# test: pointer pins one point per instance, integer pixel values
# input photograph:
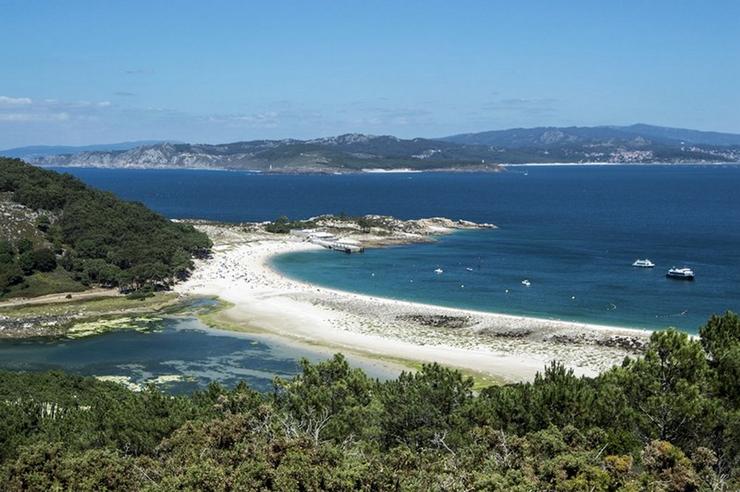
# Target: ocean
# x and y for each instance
(572, 231)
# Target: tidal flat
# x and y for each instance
(161, 342)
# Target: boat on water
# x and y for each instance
(684, 273)
(438, 271)
(643, 263)
(526, 283)
(469, 269)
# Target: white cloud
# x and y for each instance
(531, 106)
(21, 110)
(263, 117)
(33, 117)
(14, 101)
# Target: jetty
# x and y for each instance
(330, 241)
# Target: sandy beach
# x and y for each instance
(508, 348)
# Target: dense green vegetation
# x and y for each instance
(89, 237)
(669, 421)
(283, 224)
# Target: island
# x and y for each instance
(486, 151)
(550, 405)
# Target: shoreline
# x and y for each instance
(495, 168)
(506, 347)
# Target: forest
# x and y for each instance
(84, 237)
(667, 421)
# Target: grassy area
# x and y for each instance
(94, 307)
(214, 317)
(40, 284)
(481, 380)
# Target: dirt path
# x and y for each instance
(60, 297)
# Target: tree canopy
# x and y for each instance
(94, 236)
(668, 421)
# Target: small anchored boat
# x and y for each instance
(684, 273)
(526, 283)
(643, 263)
(438, 271)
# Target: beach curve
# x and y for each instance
(506, 347)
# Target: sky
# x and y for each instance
(85, 72)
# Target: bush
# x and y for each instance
(38, 260)
(10, 275)
(333, 428)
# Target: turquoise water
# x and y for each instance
(572, 231)
(598, 288)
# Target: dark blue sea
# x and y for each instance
(573, 232)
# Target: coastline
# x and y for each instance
(493, 168)
(505, 347)
(615, 164)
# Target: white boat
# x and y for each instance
(469, 269)
(684, 273)
(643, 263)
(526, 283)
(438, 271)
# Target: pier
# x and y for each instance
(330, 241)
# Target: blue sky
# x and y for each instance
(82, 72)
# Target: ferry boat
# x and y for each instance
(680, 273)
(643, 263)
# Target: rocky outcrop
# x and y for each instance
(385, 225)
(18, 221)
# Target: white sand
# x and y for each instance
(511, 348)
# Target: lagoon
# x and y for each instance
(178, 354)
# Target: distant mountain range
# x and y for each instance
(34, 151)
(354, 152)
(633, 135)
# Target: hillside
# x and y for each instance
(57, 235)
(638, 135)
(36, 151)
(627, 144)
(665, 422)
(351, 152)
(472, 151)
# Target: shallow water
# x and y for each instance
(180, 347)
